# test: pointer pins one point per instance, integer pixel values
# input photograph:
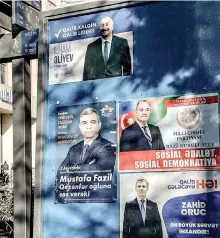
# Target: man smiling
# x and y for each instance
(141, 135)
(141, 215)
(108, 56)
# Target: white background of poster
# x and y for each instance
(158, 191)
(73, 71)
(208, 122)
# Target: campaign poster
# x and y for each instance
(86, 153)
(78, 50)
(169, 133)
(177, 204)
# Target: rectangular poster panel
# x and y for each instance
(86, 153)
(170, 133)
(78, 52)
(170, 204)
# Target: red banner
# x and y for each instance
(179, 159)
(191, 101)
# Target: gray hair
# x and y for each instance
(88, 111)
(142, 180)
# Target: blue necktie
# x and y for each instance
(106, 51)
(143, 213)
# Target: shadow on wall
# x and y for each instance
(176, 52)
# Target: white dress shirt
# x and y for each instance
(147, 129)
(140, 203)
(90, 141)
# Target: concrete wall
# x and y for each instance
(7, 139)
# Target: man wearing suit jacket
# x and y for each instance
(141, 215)
(94, 152)
(108, 56)
(141, 135)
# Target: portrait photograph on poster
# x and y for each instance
(86, 153)
(170, 204)
(91, 47)
(169, 133)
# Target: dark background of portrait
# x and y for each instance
(107, 130)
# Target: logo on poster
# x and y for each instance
(106, 111)
(58, 33)
(188, 117)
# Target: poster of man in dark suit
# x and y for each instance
(87, 172)
(141, 135)
(108, 56)
(141, 215)
(94, 152)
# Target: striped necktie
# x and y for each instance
(147, 135)
(85, 148)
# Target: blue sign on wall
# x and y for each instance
(24, 15)
(24, 43)
(35, 3)
(29, 39)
